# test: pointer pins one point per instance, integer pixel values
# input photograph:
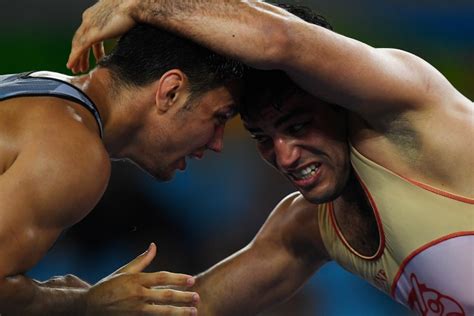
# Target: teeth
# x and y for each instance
(305, 173)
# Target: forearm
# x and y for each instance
(246, 30)
(20, 295)
(267, 37)
(228, 288)
(249, 282)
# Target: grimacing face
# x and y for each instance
(188, 133)
(306, 141)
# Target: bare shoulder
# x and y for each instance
(429, 128)
(58, 173)
(294, 223)
(63, 162)
(293, 209)
(429, 89)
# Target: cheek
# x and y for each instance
(200, 135)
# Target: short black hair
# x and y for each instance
(306, 13)
(145, 53)
(273, 87)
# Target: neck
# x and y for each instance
(115, 107)
(357, 219)
(353, 196)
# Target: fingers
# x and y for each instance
(84, 61)
(172, 297)
(81, 43)
(78, 48)
(139, 263)
(104, 20)
(80, 64)
(168, 310)
(99, 51)
(166, 278)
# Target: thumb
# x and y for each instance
(139, 263)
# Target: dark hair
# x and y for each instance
(145, 53)
(272, 87)
(305, 13)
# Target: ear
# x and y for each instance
(171, 90)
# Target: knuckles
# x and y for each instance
(167, 295)
(161, 277)
(70, 278)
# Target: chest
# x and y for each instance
(357, 224)
(425, 260)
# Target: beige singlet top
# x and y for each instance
(426, 255)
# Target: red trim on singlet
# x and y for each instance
(381, 248)
(421, 185)
(401, 269)
(438, 191)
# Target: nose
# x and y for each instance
(216, 143)
(286, 153)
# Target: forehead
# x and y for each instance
(296, 106)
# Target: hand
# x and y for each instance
(105, 20)
(129, 291)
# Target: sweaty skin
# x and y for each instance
(395, 92)
(404, 115)
(54, 168)
(42, 168)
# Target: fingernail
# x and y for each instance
(149, 248)
(190, 281)
(195, 297)
(147, 251)
(193, 311)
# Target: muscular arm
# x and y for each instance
(332, 67)
(55, 171)
(283, 255)
(50, 186)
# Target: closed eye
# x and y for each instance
(260, 138)
(223, 117)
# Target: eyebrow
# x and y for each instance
(280, 121)
(288, 116)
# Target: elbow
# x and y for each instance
(277, 48)
(268, 34)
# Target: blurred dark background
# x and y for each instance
(219, 203)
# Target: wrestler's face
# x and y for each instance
(188, 131)
(305, 140)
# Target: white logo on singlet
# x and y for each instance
(440, 279)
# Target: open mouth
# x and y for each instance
(306, 172)
(306, 176)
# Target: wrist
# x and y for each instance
(60, 301)
(80, 302)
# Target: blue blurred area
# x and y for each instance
(219, 203)
(342, 293)
(212, 193)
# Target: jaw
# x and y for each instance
(327, 185)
